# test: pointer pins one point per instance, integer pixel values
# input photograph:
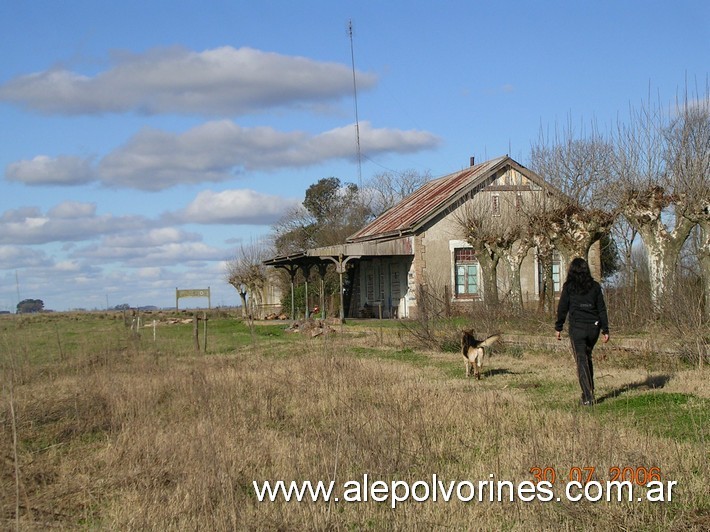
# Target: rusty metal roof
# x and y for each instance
(384, 235)
(428, 201)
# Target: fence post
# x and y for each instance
(196, 332)
(204, 331)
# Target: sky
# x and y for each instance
(142, 143)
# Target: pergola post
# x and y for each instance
(340, 267)
(292, 273)
(306, 268)
(305, 262)
(292, 269)
(322, 270)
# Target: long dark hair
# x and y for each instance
(579, 278)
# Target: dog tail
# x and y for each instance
(490, 340)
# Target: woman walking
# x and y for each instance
(583, 300)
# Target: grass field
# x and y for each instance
(105, 429)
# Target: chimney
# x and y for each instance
(473, 160)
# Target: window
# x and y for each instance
(555, 272)
(396, 290)
(466, 267)
(495, 204)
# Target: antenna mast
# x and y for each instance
(357, 120)
(17, 284)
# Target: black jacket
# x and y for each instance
(584, 309)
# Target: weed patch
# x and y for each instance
(116, 431)
(682, 417)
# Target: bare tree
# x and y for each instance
(539, 212)
(522, 221)
(483, 233)
(630, 277)
(652, 194)
(688, 159)
(386, 189)
(704, 258)
(574, 229)
(579, 166)
(247, 273)
(625, 236)
(514, 240)
(294, 232)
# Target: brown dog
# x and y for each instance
(474, 351)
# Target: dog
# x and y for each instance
(474, 351)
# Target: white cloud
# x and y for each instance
(72, 210)
(149, 273)
(150, 238)
(149, 248)
(69, 266)
(234, 207)
(221, 81)
(14, 257)
(68, 221)
(216, 151)
(180, 253)
(384, 140)
(213, 152)
(44, 170)
(168, 255)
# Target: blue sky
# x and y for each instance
(142, 142)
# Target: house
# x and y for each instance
(420, 243)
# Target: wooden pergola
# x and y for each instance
(305, 261)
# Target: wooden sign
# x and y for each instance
(192, 292)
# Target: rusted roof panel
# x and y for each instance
(426, 202)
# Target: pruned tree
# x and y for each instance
(579, 167)
(539, 214)
(688, 159)
(247, 274)
(506, 232)
(573, 229)
(513, 241)
(704, 256)
(655, 191)
(647, 210)
(483, 232)
(625, 235)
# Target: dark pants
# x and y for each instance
(583, 338)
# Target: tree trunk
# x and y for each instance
(489, 263)
(546, 292)
(513, 257)
(663, 249)
(578, 231)
(243, 297)
(704, 253)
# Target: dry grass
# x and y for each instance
(114, 434)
